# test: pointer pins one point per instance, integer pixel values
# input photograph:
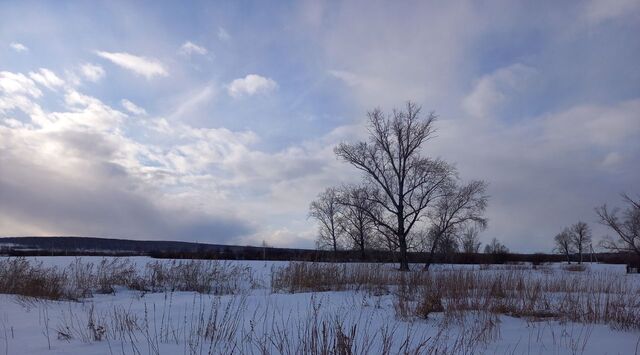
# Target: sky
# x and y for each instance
(216, 121)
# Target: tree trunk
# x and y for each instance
(430, 257)
(404, 258)
(580, 252)
(402, 241)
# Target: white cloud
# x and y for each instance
(597, 11)
(594, 125)
(47, 78)
(18, 84)
(147, 67)
(18, 47)
(492, 90)
(133, 108)
(250, 85)
(194, 99)
(189, 48)
(223, 34)
(92, 72)
(612, 160)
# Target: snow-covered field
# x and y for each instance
(258, 318)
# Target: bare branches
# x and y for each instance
(458, 207)
(326, 210)
(401, 186)
(576, 238)
(400, 183)
(357, 212)
(580, 237)
(564, 244)
(625, 223)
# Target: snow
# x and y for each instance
(29, 326)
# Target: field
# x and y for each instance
(139, 305)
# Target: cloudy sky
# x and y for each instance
(215, 121)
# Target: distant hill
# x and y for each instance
(104, 245)
(79, 246)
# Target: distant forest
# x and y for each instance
(89, 246)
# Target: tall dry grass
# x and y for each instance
(82, 279)
(587, 297)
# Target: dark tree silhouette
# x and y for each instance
(495, 248)
(625, 223)
(564, 244)
(469, 241)
(458, 206)
(580, 238)
(356, 212)
(401, 182)
(326, 210)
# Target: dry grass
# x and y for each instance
(80, 279)
(462, 306)
(19, 276)
(212, 325)
(588, 297)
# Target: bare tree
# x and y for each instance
(495, 247)
(580, 238)
(459, 206)
(469, 241)
(357, 210)
(402, 183)
(326, 210)
(625, 223)
(564, 244)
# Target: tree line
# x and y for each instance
(624, 222)
(409, 201)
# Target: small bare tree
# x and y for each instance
(580, 238)
(496, 248)
(326, 210)
(469, 241)
(564, 244)
(402, 183)
(458, 207)
(625, 223)
(357, 210)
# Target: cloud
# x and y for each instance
(492, 90)
(18, 84)
(105, 183)
(597, 11)
(194, 99)
(47, 78)
(18, 47)
(147, 67)
(612, 160)
(133, 108)
(594, 126)
(251, 84)
(223, 34)
(189, 48)
(92, 72)
(157, 178)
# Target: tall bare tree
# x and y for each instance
(402, 183)
(459, 206)
(564, 244)
(326, 210)
(357, 209)
(469, 241)
(625, 223)
(581, 238)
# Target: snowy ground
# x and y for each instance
(259, 321)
